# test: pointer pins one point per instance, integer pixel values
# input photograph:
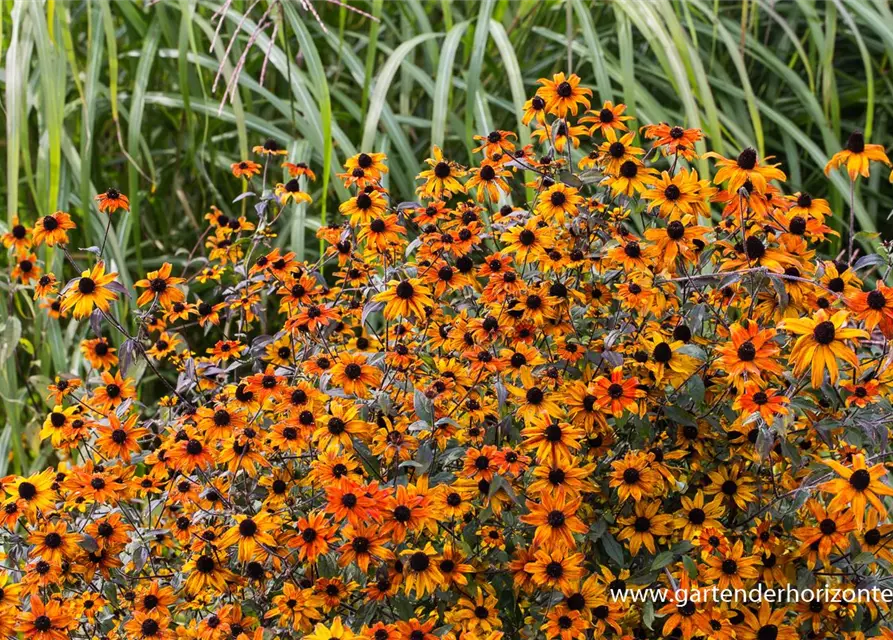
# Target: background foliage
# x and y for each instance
(157, 99)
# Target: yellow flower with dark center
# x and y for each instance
(382, 235)
(495, 143)
(371, 164)
(615, 151)
(632, 177)
(644, 525)
(421, 570)
(732, 485)
(295, 607)
(562, 480)
(489, 180)
(120, 439)
(685, 610)
(245, 169)
(299, 170)
(99, 353)
(731, 569)
(32, 493)
(674, 141)
(829, 533)
(51, 229)
(534, 109)
(342, 423)
(270, 148)
(479, 615)
(26, 269)
(609, 118)
(563, 94)
(676, 195)
(315, 533)
(555, 570)
(823, 339)
(44, 621)
(148, 626)
(666, 361)
(874, 308)
(352, 374)
(364, 207)
(767, 402)
(113, 391)
(55, 424)
(91, 290)
(527, 242)
(205, 572)
(857, 156)
(18, 237)
(536, 405)
(405, 299)
(806, 206)
(558, 203)
(111, 200)
(362, 545)
(751, 353)
(614, 395)
(857, 487)
(633, 477)
(745, 168)
(696, 514)
(556, 136)
(555, 522)
(291, 191)
(442, 179)
(160, 286)
(53, 542)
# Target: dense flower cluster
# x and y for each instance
(576, 368)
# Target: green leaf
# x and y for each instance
(443, 85)
(383, 83)
(612, 548)
(661, 560)
(690, 567)
(473, 79)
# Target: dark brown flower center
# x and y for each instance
(856, 142)
(629, 169)
(824, 332)
(860, 479)
(86, 286)
(747, 159)
(405, 290)
(442, 170)
(675, 230)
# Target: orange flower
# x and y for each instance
(160, 286)
(49, 621)
(615, 395)
(245, 169)
(91, 290)
(823, 339)
(51, 229)
(555, 522)
(352, 374)
(609, 118)
(563, 94)
(751, 353)
(857, 156)
(745, 168)
(857, 487)
(112, 200)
